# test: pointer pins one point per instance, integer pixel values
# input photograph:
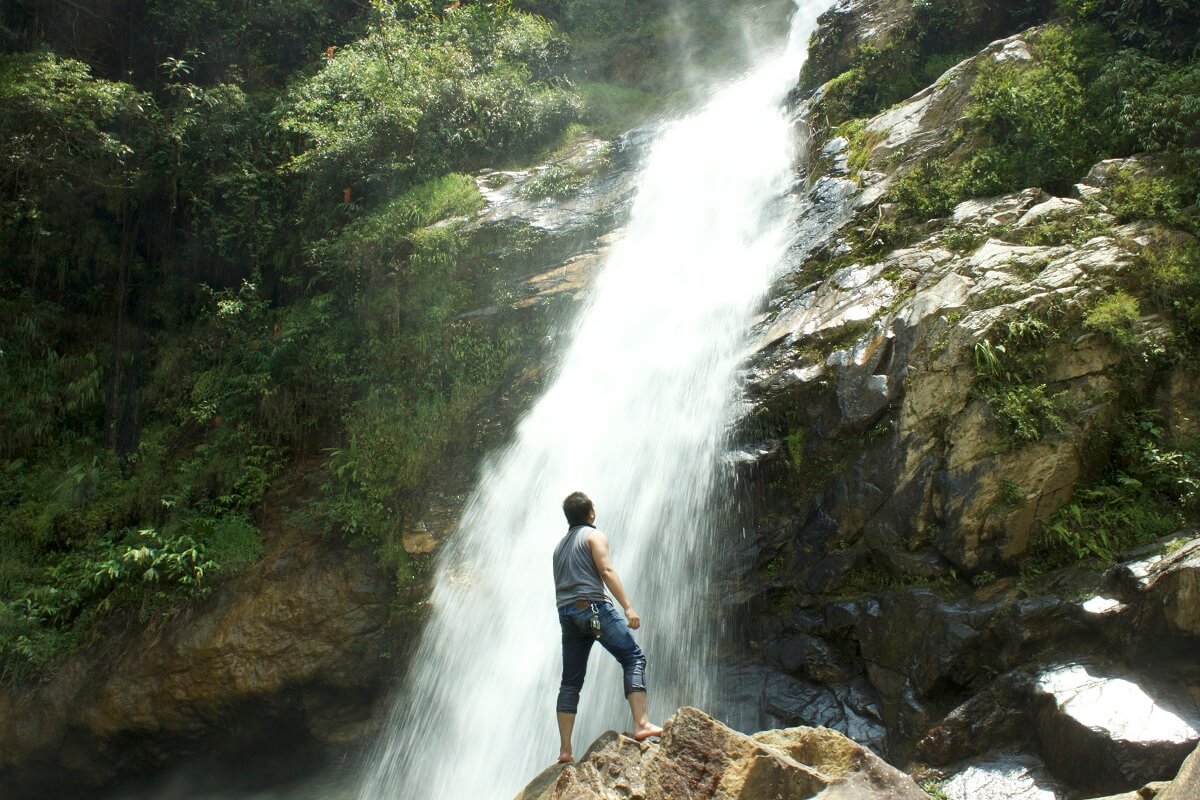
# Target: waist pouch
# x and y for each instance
(587, 623)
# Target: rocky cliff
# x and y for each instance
(929, 403)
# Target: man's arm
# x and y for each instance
(598, 542)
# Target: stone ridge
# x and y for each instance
(699, 758)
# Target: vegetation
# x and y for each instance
(1092, 91)
(939, 34)
(232, 268)
(1150, 490)
(1011, 377)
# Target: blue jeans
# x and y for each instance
(576, 646)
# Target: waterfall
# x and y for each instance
(637, 418)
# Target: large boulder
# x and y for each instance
(288, 650)
(701, 759)
(1186, 785)
(1169, 587)
(1104, 730)
(1005, 775)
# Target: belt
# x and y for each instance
(582, 604)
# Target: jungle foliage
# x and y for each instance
(228, 272)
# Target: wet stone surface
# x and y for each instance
(1004, 776)
(1110, 732)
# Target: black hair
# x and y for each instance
(577, 506)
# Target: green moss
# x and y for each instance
(862, 143)
(1012, 495)
(231, 541)
(1114, 316)
(795, 447)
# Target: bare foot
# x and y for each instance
(565, 758)
(647, 731)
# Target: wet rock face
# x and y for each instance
(887, 479)
(699, 758)
(847, 26)
(883, 356)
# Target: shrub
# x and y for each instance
(41, 620)
(1151, 490)
(1134, 196)
(1165, 28)
(1038, 124)
(1008, 374)
(926, 192)
(416, 98)
(1114, 316)
(1173, 282)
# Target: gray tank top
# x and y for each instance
(575, 575)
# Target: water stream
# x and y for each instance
(636, 417)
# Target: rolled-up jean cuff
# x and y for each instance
(634, 676)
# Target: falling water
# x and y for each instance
(636, 418)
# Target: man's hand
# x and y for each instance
(635, 621)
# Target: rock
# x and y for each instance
(254, 662)
(850, 708)
(1053, 209)
(996, 212)
(1170, 588)
(847, 26)
(1004, 776)
(417, 540)
(994, 718)
(1110, 732)
(1147, 792)
(857, 772)
(699, 758)
(1186, 785)
(1176, 404)
(919, 128)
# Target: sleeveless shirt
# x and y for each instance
(575, 574)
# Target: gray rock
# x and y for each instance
(919, 128)
(1108, 732)
(1053, 209)
(1004, 776)
(849, 708)
(1186, 784)
(1170, 587)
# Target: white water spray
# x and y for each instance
(636, 418)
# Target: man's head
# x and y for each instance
(578, 508)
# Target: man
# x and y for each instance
(582, 568)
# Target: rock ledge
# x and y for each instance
(700, 758)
